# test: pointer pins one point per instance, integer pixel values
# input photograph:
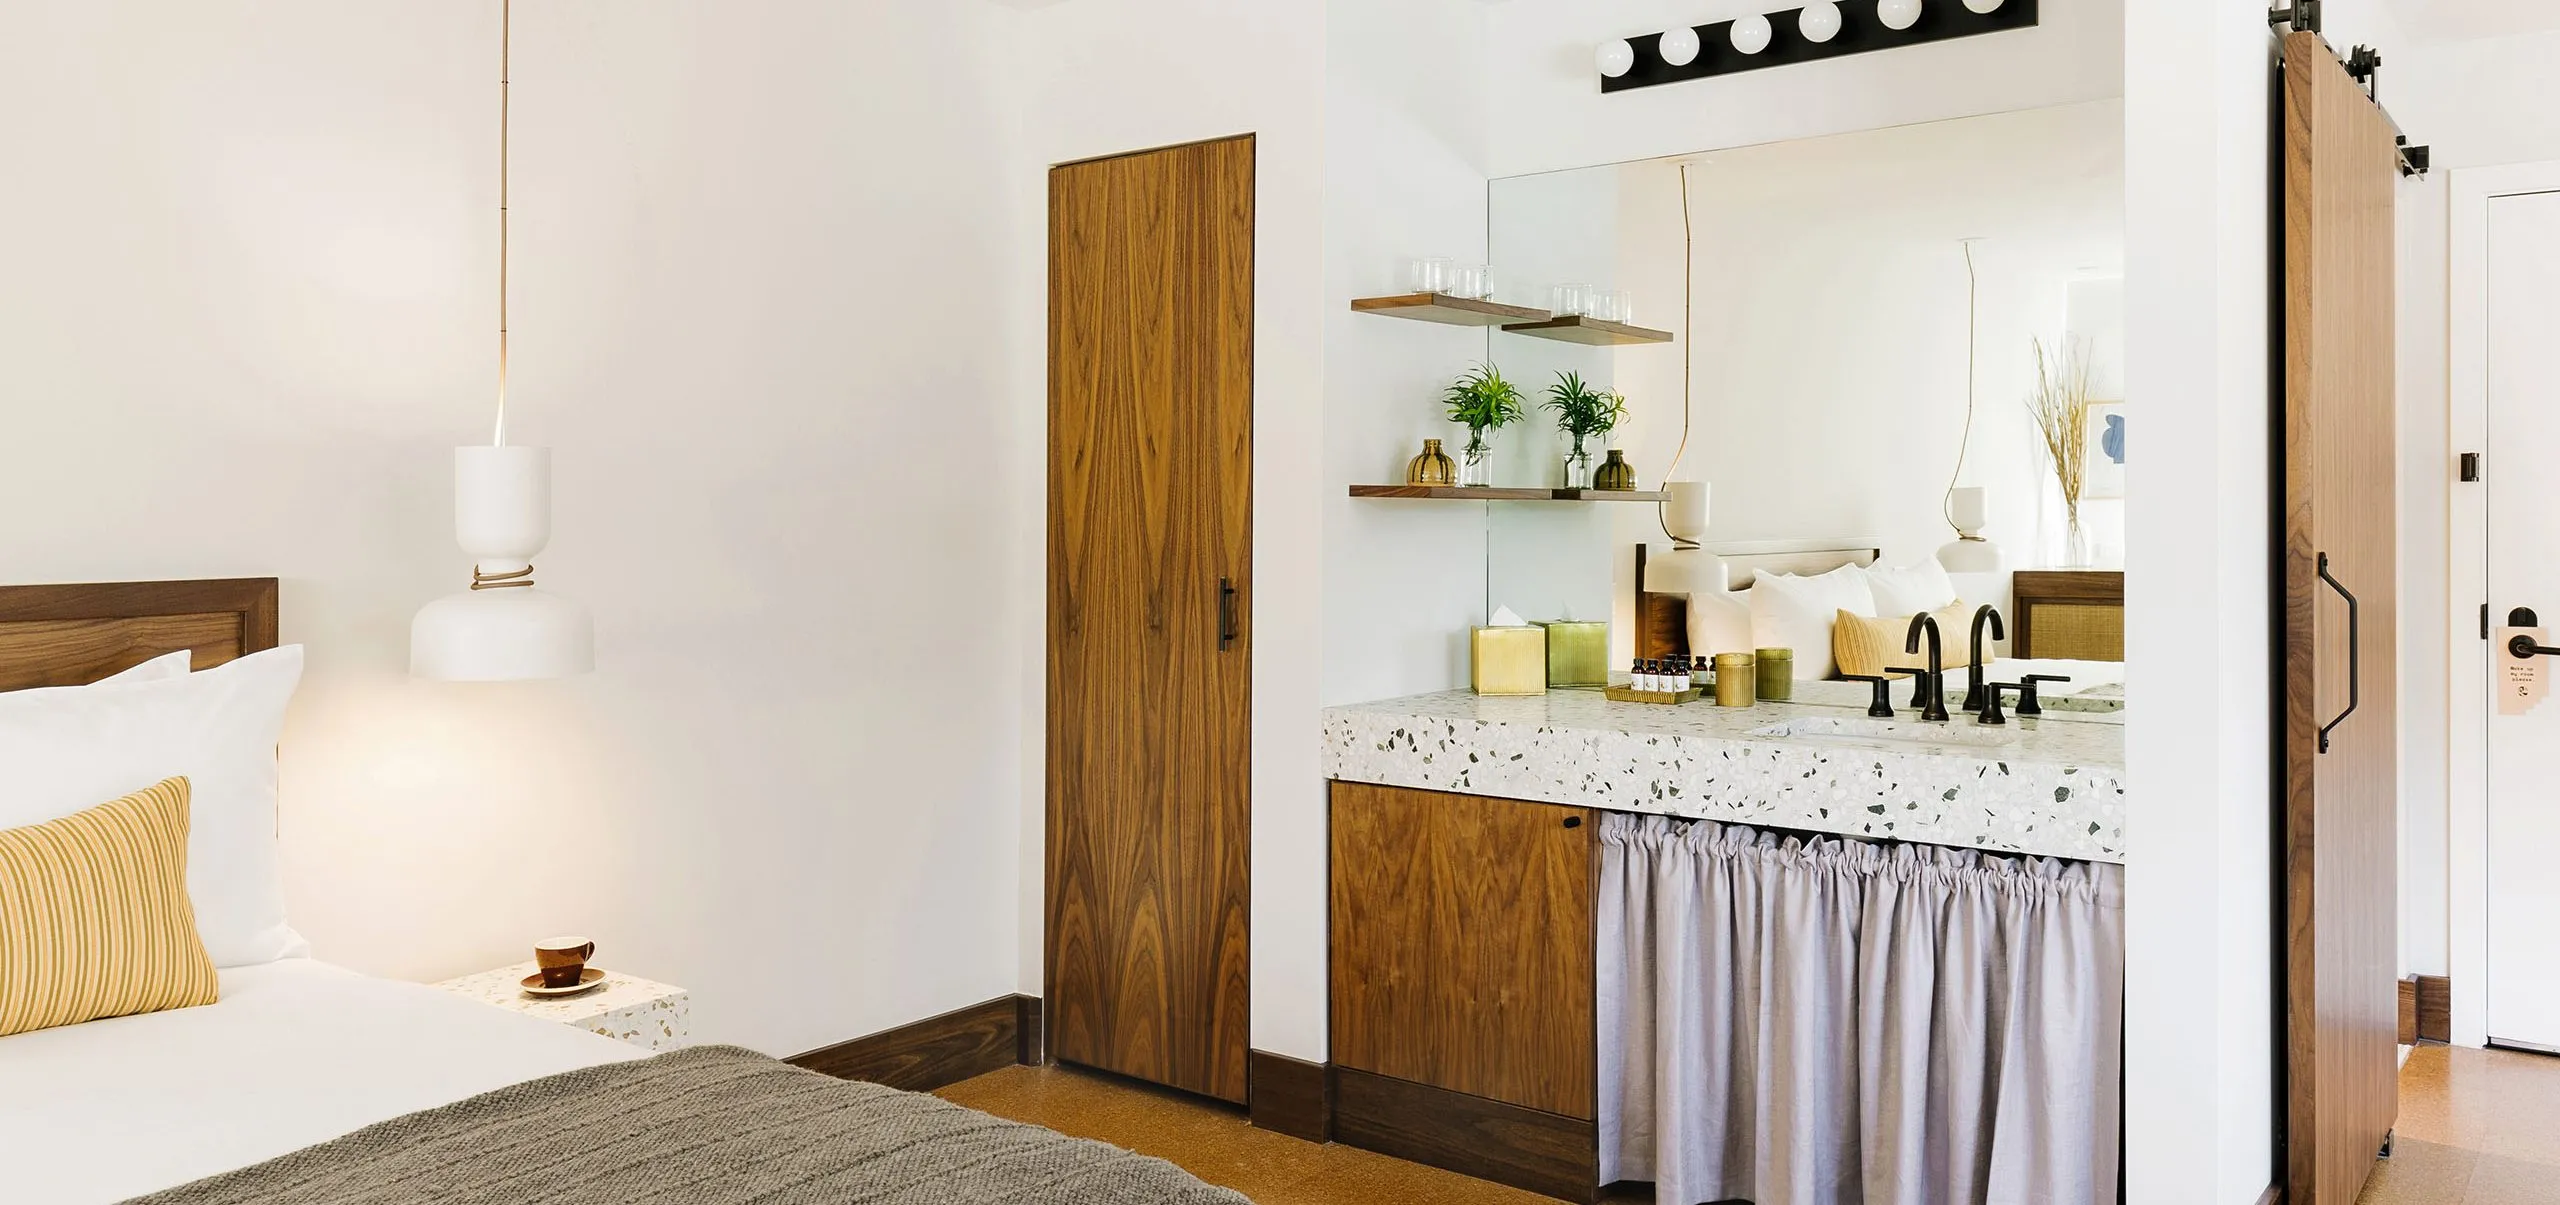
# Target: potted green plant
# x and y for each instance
(1486, 403)
(1586, 414)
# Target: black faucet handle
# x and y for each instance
(1882, 706)
(1991, 712)
(2028, 702)
(1924, 682)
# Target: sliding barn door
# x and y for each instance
(1150, 562)
(2341, 734)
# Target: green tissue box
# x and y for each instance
(1577, 653)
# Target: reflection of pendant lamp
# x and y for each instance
(1685, 569)
(1968, 509)
(502, 628)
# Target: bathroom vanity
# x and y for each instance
(1466, 880)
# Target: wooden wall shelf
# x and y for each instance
(1504, 493)
(1590, 332)
(1447, 310)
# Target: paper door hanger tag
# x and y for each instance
(2522, 682)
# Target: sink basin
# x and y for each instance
(1863, 731)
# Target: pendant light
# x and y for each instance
(502, 628)
(1967, 509)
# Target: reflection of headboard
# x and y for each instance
(1662, 620)
(2075, 615)
(76, 634)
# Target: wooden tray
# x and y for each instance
(1629, 694)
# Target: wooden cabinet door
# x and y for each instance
(2341, 751)
(1150, 663)
(1462, 945)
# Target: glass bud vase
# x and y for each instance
(1577, 467)
(1614, 473)
(2075, 542)
(1475, 465)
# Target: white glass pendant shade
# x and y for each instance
(505, 629)
(1985, 7)
(1820, 21)
(1750, 35)
(1616, 57)
(1684, 517)
(1680, 46)
(1898, 14)
(1969, 509)
(1684, 571)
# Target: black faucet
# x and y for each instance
(1931, 697)
(1973, 676)
(2028, 703)
(1882, 707)
(1991, 713)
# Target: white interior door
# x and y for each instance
(2523, 994)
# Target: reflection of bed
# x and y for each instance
(1662, 620)
(2075, 615)
(261, 1089)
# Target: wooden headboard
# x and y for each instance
(1662, 620)
(72, 635)
(2073, 614)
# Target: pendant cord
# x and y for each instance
(1972, 348)
(1688, 352)
(506, 52)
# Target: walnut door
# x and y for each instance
(1149, 587)
(2340, 611)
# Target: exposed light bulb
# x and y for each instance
(1617, 57)
(1751, 34)
(1985, 7)
(1680, 46)
(1898, 14)
(1820, 22)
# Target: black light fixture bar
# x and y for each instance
(1860, 33)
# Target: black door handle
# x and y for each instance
(1226, 613)
(2523, 646)
(2355, 643)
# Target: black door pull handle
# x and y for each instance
(2523, 646)
(2355, 642)
(1226, 613)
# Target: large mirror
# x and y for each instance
(1874, 340)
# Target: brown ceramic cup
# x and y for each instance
(563, 959)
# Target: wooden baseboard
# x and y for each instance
(1290, 1096)
(2435, 1008)
(1507, 1144)
(938, 1051)
(2409, 1011)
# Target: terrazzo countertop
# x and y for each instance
(2052, 787)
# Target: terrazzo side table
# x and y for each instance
(626, 1008)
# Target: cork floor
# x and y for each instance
(2477, 1127)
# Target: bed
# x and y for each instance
(310, 1082)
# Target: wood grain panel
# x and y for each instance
(1507, 1144)
(2340, 807)
(2075, 614)
(1150, 509)
(1462, 945)
(2434, 1008)
(961, 1044)
(74, 634)
(1292, 1096)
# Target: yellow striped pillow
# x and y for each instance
(1867, 646)
(94, 916)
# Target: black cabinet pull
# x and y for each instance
(2355, 651)
(1226, 613)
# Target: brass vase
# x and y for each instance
(1433, 467)
(1614, 473)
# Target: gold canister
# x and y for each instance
(1777, 674)
(1577, 653)
(1509, 661)
(1736, 680)
(1433, 467)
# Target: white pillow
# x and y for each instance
(62, 751)
(157, 669)
(1790, 612)
(1719, 622)
(1911, 590)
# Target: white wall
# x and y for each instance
(2199, 1089)
(1548, 112)
(1101, 77)
(248, 309)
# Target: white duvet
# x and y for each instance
(297, 1052)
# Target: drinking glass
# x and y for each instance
(1572, 300)
(1429, 275)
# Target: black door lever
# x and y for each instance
(2524, 646)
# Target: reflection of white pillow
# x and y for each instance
(61, 751)
(1790, 612)
(157, 669)
(1719, 622)
(1910, 591)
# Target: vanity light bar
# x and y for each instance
(1798, 35)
